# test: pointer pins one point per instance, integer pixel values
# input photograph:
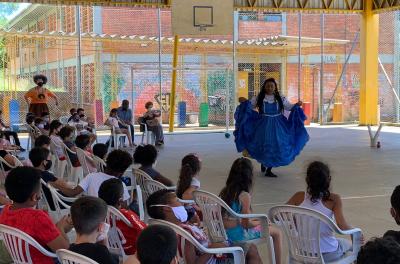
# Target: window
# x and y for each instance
(248, 16)
(273, 17)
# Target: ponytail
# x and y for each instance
(185, 179)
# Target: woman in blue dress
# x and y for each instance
(267, 135)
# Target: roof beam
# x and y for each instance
(317, 6)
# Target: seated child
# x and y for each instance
(88, 217)
(379, 250)
(319, 197)
(157, 244)
(100, 150)
(23, 187)
(55, 128)
(146, 156)
(164, 205)
(83, 142)
(395, 212)
(67, 134)
(188, 182)
(111, 191)
(236, 194)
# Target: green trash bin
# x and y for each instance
(203, 118)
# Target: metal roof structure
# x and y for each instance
(318, 6)
(278, 41)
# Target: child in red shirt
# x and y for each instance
(23, 188)
(111, 191)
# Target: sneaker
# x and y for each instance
(263, 169)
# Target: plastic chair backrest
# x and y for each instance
(140, 177)
(211, 206)
(3, 162)
(60, 200)
(302, 228)
(69, 257)
(152, 186)
(19, 244)
(115, 236)
(100, 164)
(83, 160)
(66, 151)
(237, 252)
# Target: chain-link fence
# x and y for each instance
(127, 53)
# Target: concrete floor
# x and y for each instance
(363, 176)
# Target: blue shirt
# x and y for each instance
(125, 115)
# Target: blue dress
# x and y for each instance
(270, 138)
(239, 233)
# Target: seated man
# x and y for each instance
(7, 132)
(157, 244)
(125, 116)
(395, 212)
(88, 217)
(112, 191)
(117, 163)
(40, 158)
(23, 187)
(164, 205)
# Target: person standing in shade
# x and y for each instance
(125, 115)
(38, 97)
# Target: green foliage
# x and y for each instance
(6, 9)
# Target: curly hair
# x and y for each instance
(40, 76)
(145, 155)
(379, 250)
(118, 161)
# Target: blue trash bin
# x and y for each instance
(182, 114)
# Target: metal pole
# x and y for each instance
(299, 57)
(78, 57)
(321, 78)
(235, 68)
(388, 80)
(227, 100)
(343, 71)
(159, 59)
(173, 86)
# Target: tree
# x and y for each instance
(6, 9)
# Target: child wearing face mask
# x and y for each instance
(88, 217)
(111, 191)
(23, 187)
(164, 205)
(188, 182)
(68, 137)
(40, 159)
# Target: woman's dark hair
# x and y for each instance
(318, 181)
(147, 105)
(145, 155)
(240, 179)
(261, 96)
(111, 191)
(40, 76)
(190, 166)
(66, 132)
(42, 140)
(54, 125)
(113, 111)
(30, 117)
(38, 120)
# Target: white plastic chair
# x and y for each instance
(60, 200)
(19, 245)
(74, 174)
(59, 165)
(100, 163)
(211, 206)
(117, 137)
(237, 252)
(33, 132)
(3, 172)
(84, 158)
(69, 257)
(115, 237)
(152, 186)
(138, 183)
(302, 229)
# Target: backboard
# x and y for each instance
(202, 17)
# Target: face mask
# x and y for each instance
(180, 213)
(48, 164)
(82, 115)
(40, 84)
(104, 232)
